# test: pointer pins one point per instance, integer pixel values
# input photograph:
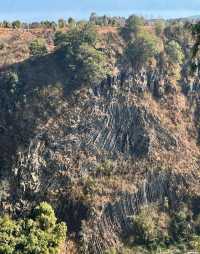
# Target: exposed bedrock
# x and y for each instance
(112, 121)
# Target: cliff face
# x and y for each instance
(126, 122)
(90, 153)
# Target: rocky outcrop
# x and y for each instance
(128, 120)
(116, 219)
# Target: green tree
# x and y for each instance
(45, 215)
(151, 226)
(40, 235)
(144, 47)
(159, 27)
(196, 34)
(132, 27)
(16, 24)
(71, 21)
(83, 61)
(12, 82)
(61, 23)
(195, 49)
(7, 24)
(181, 226)
(38, 47)
(174, 52)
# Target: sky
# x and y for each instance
(35, 10)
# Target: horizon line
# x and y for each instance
(54, 16)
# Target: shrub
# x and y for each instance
(111, 251)
(105, 168)
(2, 45)
(38, 47)
(195, 243)
(12, 83)
(89, 186)
(181, 226)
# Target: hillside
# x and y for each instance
(104, 126)
(16, 42)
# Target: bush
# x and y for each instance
(2, 45)
(105, 169)
(38, 47)
(111, 251)
(181, 226)
(12, 83)
(40, 235)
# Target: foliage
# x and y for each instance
(111, 251)
(71, 21)
(105, 168)
(7, 24)
(195, 243)
(105, 20)
(181, 227)
(44, 24)
(150, 226)
(159, 27)
(142, 49)
(45, 215)
(196, 34)
(38, 47)
(61, 23)
(12, 83)
(196, 46)
(177, 31)
(40, 235)
(76, 36)
(174, 52)
(16, 24)
(132, 27)
(89, 186)
(158, 229)
(83, 61)
(2, 45)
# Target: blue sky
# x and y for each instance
(30, 10)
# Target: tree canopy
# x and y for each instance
(145, 46)
(84, 62)
(132, 27)
(37, 235)
(174, 52)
